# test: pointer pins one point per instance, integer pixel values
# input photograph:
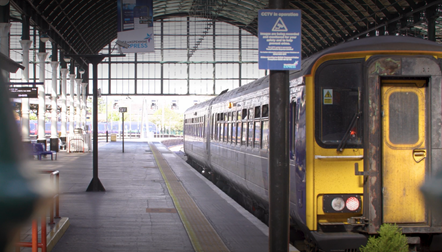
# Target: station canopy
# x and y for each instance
(86, 26)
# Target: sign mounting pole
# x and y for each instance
(279, 34)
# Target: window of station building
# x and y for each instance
(265, 135)
(232, 133)
(251, 113)
(239, 115)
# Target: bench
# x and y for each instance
(38, 150)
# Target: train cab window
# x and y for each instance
(265, 110)
(338, 103)
(265, 135)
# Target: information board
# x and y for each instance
(24, 92)
(279, 34)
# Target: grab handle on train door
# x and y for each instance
(419, 155)
(359, 173)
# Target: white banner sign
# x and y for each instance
(135, 26)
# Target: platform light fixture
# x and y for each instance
(81, 71)
(122, 44)
(44, 37)
(67, 59)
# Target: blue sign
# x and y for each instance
(279, 34)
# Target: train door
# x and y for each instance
(404, 140)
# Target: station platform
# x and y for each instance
(154, 201)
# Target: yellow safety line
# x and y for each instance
(193, 238)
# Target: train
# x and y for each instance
(365, 133)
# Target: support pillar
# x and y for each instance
(71, 100)
(5, 26)
(25, 44)
(64, 72)
(42, 96)
(84, 104)
(77, 106)
(54, 133)
(431, 15)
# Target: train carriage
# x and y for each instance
(365, 132)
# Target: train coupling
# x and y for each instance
(357, 221)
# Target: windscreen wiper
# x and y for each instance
(347, 133)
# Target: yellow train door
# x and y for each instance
(404, 132)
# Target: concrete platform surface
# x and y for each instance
(137, 211)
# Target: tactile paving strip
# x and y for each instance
(201, 233)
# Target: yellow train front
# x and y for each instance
(365, 135)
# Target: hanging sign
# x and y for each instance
(24, 92)
(279, 37)
(135, 25)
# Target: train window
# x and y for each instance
(404, 118)
(257, 143)
(265, 135)
(251, 114)
(202, 126)
(226, 132)
(238, 133)
(244, 134)
(257, 112)
(293, 120)
(250, 135)
(215, 133)
(244, 114)
(232, 132)
(265, 110)
(212, 128)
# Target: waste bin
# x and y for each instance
(113, 137)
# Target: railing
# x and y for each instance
(54, 207)
(76, 144)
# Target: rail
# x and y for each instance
(54, 212)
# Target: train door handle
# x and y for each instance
(419, 155)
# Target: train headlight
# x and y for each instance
(352, 204)
(341, 203)
(338, 204)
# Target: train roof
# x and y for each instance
(378, 43)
